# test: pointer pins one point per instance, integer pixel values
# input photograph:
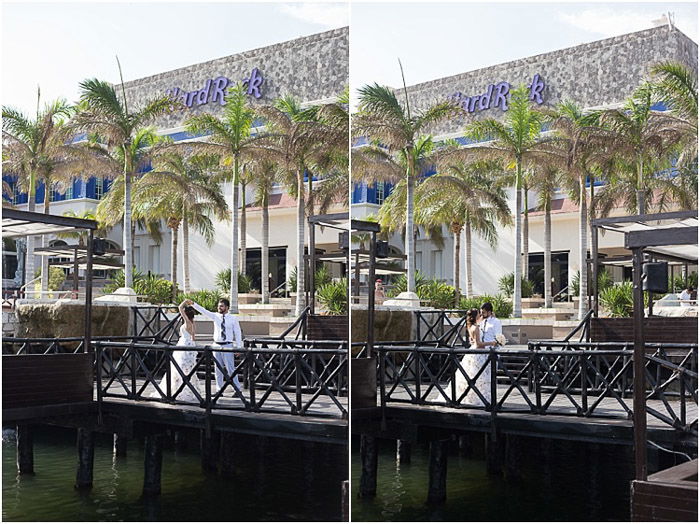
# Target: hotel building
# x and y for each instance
(313, 69)
(599, 74)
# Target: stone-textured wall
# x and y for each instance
(59, 320)
(594, 74)
(310, 68)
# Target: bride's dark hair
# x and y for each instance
(190, 311)
(471, 317)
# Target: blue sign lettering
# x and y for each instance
(497, 95)
(214, 90)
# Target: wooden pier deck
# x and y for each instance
(610, 424)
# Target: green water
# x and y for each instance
(581, 482)
(290, 482)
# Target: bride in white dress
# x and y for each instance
(472, 363)
(186, 360)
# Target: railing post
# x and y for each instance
(132, 393)
(418, 372)
(169, 357)
(584, 388)
(536, 380)
(297, 376)
(494, 382)
(207, 389)
(98, 379)
(250, 373)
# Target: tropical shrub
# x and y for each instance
(321, 278)
(207, 298)
(506, 282)
(502, 306)
(678, 282)
(118, 280)
(617, 299)
(223, 281)
(605, 280)
(400, 284)
(149, 288)
(334, 296)
(56, 279)
(437, 294)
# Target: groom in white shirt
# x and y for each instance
(490, 327)
(226, 329)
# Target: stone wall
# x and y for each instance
(310, 68)
(594, 74)
(66, 319)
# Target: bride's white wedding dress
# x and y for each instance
(471, 363)
(186, 360)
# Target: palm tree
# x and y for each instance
(469, 197)
(182, 191)
(264, 176)
(295, 144)
(231, 138)
(642, 136)
(35, 151)
(546, 180)
(107, 116)
(512, 141)
(400, 129)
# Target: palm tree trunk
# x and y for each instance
(31, 240)
(186, 253)
(547, 254)
(244, 232)
(410, 238)
(583, 249)
(234, 239)
(301, 265)
(128, 237)
(526, 235)
(468, 258)
(265, 253)
(518, 266)
(173, 262)
(457, 238)
(45, 243)
(641, 208)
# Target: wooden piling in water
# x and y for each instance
(345, 502)
(403, 451)
(368, 457)
(494, 453)
(437, 471)
(86, 458)
(120, 445)
(209, 450)
(512, 458)
(464, 444)
(153, 462)
(25, 449)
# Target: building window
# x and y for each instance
(437, 263)
(69, 191)
(154, 258)
(380, 192)
(419, 261)
(99, 188)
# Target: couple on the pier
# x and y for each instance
(226, 330)
(485, 332)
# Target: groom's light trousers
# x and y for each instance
(227, 362)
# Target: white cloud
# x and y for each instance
(328, 15)
(609, 22)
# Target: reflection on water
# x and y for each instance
(581, 482)
(292, 481)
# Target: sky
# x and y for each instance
(442, 39)
(58, 44)
(73, 41)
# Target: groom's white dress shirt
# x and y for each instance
(232, 328)
(490, 328)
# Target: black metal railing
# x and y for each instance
(444, 326)
(300, 325)
(157, 326)
(584, 327)
(270, 375)
(556, 378)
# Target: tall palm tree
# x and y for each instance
(107, 115)
(182, 191)
(642, 136)
(512, 141)
(546, 179)
(295, 145)
(35, 150)
(469, 197)
(264, 175)
(401, 130)
(231, 138)
(575, 147)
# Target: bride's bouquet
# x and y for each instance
(501, 339)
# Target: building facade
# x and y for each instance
(595, 75)
(313, 69)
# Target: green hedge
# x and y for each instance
(502, 306)
(334, 296)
